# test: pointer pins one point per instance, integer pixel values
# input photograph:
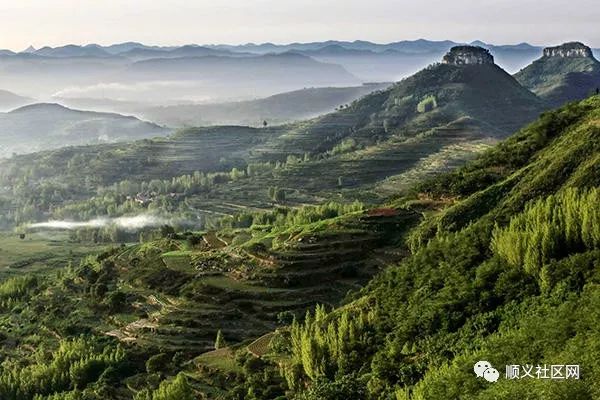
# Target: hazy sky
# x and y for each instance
(172, 22)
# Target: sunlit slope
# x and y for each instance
(505, 272)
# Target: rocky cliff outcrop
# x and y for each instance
(468, 55)
(571, 49)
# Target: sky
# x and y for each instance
(175, 22)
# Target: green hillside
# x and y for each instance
(448, 110)
(495, 261)
(82, 177)
(559, 79)
(506, 272)
(434, 97)
(120, 321)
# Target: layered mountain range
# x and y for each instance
(467, 91)
(192, 73)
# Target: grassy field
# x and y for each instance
(222, 359)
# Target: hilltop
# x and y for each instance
(564, 73)
(10, 100)
(21, 129)
(436, 96)
(437, 116)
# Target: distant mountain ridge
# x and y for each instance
(98, 71)
(285, 70)
(419, 46)
(149, 75)
(10, 100)
(406, 47)
(45, 126)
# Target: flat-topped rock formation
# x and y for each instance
(468, 55)
(564, 73)
(571, 49)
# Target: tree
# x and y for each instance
(167, 231)
(178, 389)
(280, 195)
(86, 371)
(116, 301)
(99, 290)
(272, 193)
(158, 363)
(193, 241)
(220, 340)
(265, 124)
(346, 387)
(387, 125)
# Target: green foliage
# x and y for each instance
(559, 150)
(277, 195)
(158, 363)
(508, 272)
(73, 365)
(283, 217)
(177, 389)
(15, 288)
(324, 346)
(427, 104)
(345, 146)
(116, 301)
(500, 161)
(343, 388)
(550, 228)
(220, 340)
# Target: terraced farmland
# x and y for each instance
(185, 296)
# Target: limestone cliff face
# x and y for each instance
(572, 49)
(468, 55)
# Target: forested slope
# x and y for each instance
(507, 272)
